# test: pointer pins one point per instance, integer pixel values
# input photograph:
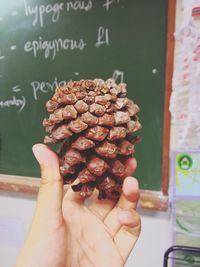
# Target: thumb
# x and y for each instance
(51, 186)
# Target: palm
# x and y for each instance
(65, 232)
(86, 235)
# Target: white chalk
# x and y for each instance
(13, 47)
(16, 88)
(154, 71)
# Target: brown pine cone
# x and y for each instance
(96, 122)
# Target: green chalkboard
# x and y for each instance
(46, 43)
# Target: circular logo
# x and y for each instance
(185, 162)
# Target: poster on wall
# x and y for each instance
(186, 224)
(187, 175)
(186, 198)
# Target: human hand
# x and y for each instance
(65, 232)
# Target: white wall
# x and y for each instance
(16, 210)
(154, 240)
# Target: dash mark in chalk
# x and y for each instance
(13, 47)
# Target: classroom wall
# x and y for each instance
(16, 211)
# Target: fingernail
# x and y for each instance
(45, 156)
(131, 182)
(38, 151)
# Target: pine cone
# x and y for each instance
(96, 122)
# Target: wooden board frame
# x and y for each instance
(148, 199)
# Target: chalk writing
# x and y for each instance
(108, 3)
(102, 37)
(39, 11)
(45, 87)
(154, 71)
(17, 102)
(51, 47)
(16, 88)
(118, 75)
(1, 56)
(13, 47)
(79, 5)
